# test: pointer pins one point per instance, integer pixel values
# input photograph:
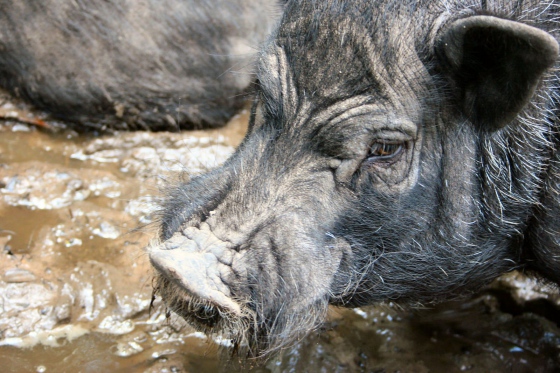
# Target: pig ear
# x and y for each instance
(495, 65)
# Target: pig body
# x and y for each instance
(398, 150)
(157, 65)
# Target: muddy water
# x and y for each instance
(75, 284)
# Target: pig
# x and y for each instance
(403, 151)
(126, 65)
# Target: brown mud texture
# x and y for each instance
(75, 282)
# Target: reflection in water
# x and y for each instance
(75, 285)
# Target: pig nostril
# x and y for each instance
(209, 312)
(207, 315)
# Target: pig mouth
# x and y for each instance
(205, 315)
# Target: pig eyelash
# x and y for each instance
(385, 151)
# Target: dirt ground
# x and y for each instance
(75, 284)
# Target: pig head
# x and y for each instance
(397, 150)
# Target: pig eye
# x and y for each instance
(385, 151)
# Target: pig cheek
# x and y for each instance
(261, 280)
(314, 273)
(237, 280)
(339, 267)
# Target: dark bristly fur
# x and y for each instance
(398, 150)
(128, 64)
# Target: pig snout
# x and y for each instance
(259, 274)
(195, 267)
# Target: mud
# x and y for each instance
(75, 283)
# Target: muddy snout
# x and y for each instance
(193, 266)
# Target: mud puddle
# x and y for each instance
(75, 284)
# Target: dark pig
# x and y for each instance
(154, 64)
(400, 151)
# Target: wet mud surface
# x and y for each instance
(75, 283)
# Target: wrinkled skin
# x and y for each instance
(155, 64)
(396, 151)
